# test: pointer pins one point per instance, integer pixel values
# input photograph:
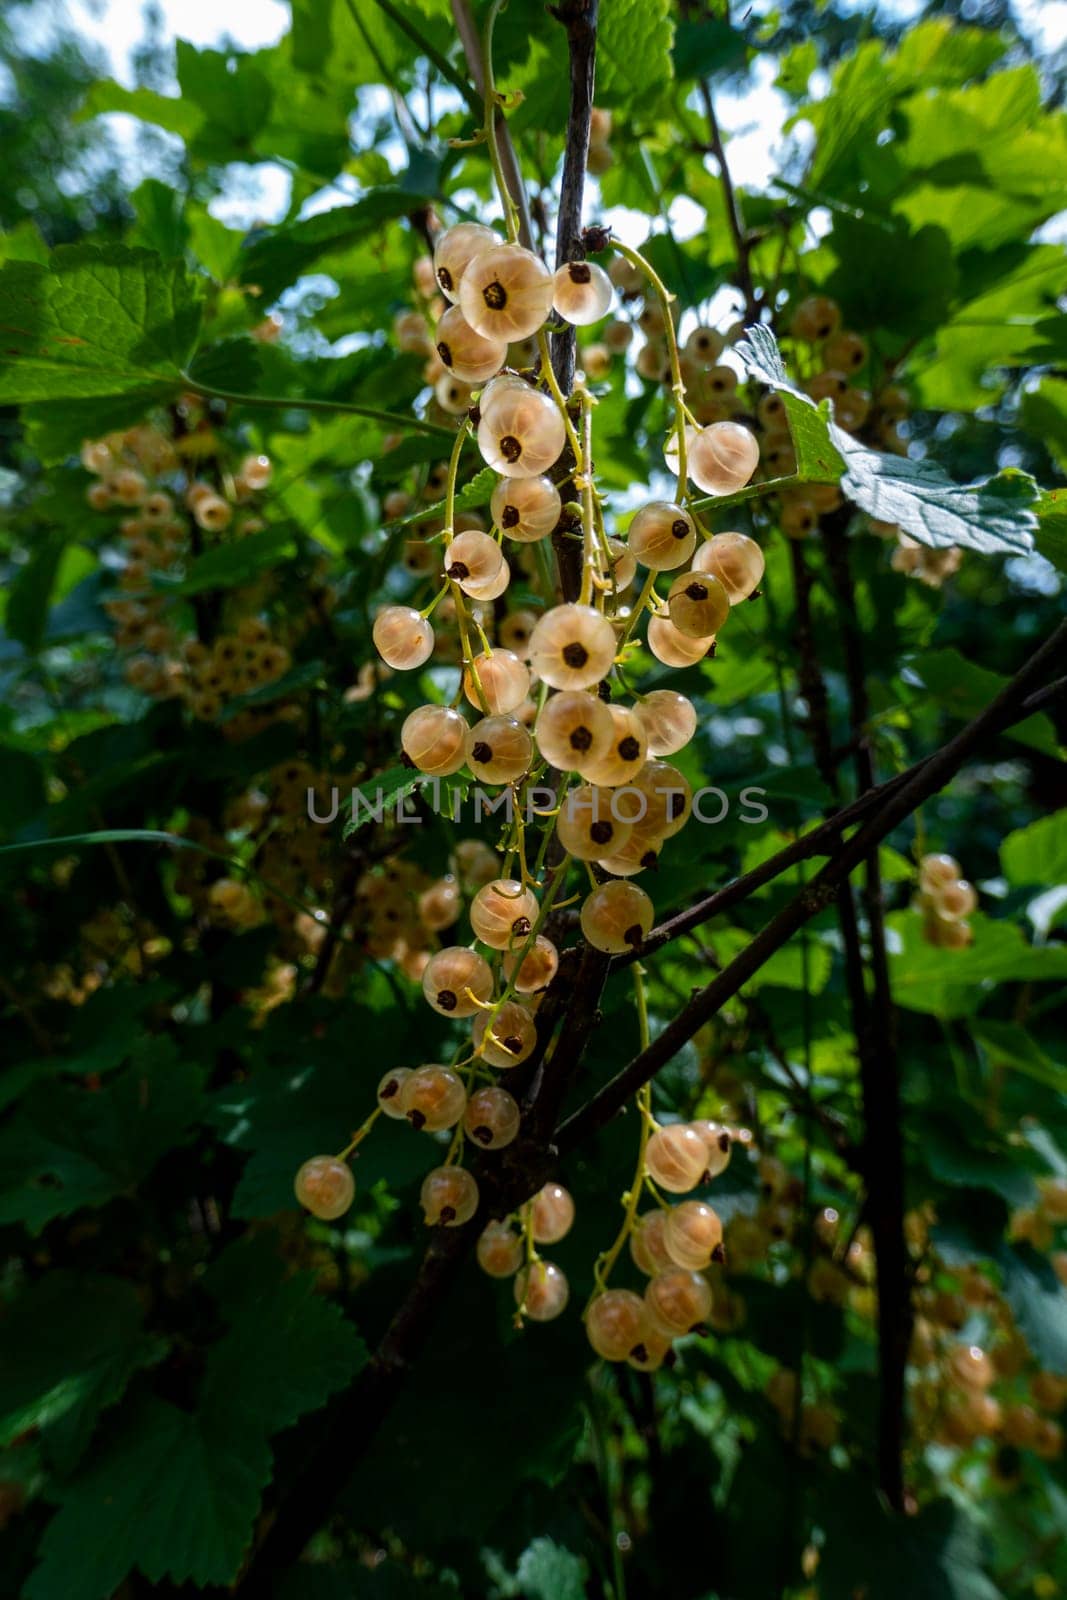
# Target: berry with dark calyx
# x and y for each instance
(433, 1098)
(506, 293)
(537, 969)
(698, 604)
(616, 1323)
(553, 1214)
(573, 727)
(617, 917)
(390, 1098)
(572, 647)
(678, 1300)
(454, 252)
(662, 536)
(449, 974)
(736, 560)
(449, 1196)
(503, 913)
(499, 749)
(693, 1235)
(582, 292)
(491, 1118)
(506, 1039)
(525, 509)
(676, 1158)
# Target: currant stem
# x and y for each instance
(664, 296)
(360, 1134)
(603, 1268)
(276, 402)
(493, 108)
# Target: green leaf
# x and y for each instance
(469, 497)
(68, 1147)
(902, 278)
(56, 432)
(1044, 411)
(173, 113)
(817, 459)
(546, 1571)
(31, 591)
(1007, 1044)
(232, 95)
(58, 1371)
(381, 794)
(935, 1555)
(633, 55)
(228, 566)
(1038, 853)
(160, 225)
(953, 983)
(98, 320)
(964, 689)
(276, 258)
(1038, 1301)
(1052, 527)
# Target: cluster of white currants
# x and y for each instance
(945, 900)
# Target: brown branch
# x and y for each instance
(509, 161)
(734, 214)
(579, 17)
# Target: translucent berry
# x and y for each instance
(434, 738)
(669, 721)
(490, 588)
(955, 900)
(390, 1096)
(452, 394)
(521, 433)
(440, 905)
(799, 516)
(499, 749)
(737, 562)
(667, 796)
(648, 1246)
(625, 755)
(402, 638)
(538, 968)
(472, 557)
(650, 1354)
(718, 1143)
(582, 292)
(541, 1291)
(500, 1250)
(616, 1322)
(676, 1158)
(572, 647)
(526, 509)
(448, 1196)
(506, 293)
(504, 681)
(450, 973)
(723, 457)
(476, 863)
(693, 1235)
(506, 1039)
(704, 346)
(673, 648)
(503, 913)
(466, 354)
(325, 1187)
(552, 1214)
(617, 917)
(491, 1118)
(698, 604)
(574, 727)
(935, 871)
(662, 536)
(623, 568)
(815, 319)
(456, 249)
(678, 1300)
(587, 827)
(433, 1097)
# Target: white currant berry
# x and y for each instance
(449, 1196)
(467, 354)
(618, 336)
(491, 588)
(718, 1143)
(617, 917)
(390, 1097)
(799, 516)
(678, 1301)
(506, 1038)
(676, 1157)
(521, 432)
(582, 292)
(669, 720)
(552, 1214)
(572, 647)
(847, 352)
(723, 457)
(402, 637)
(652, 362)
(504, 681)
(662, 536)
(473, 557)
(499, 749)
(625, 755)
(325, 1186)
(539, 966)
(503, 913)
(673, 648)
(651, 1353)
(623, 567)
(815, 319)
(506, 293)
(698, 604)
(526, 509)
(434, 739)
(648, 1246)
(704, 346)
(640, 852)
(693, 1235)
(586, 825)
(670, 448)
(574, 727)
(668, 799)
(433, 1097)
(440, 905)
(450, 973)
(541, 1291)
(616, 1322)
(456, 249)
(491, 1118)
(476, 863)
(596, 361)
(254, 472)
(737, 562)
(500, 1250)
(452, 394)
(935, 871)
(954, 901)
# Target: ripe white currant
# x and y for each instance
(541, 1291)
(737, 562)
(669, 720)
(390, 1098)
(718, 1144)
(674, 648)
(617, 917)
(434, 739)
(582, 292)
(472, 557)
(648, 1246)
(500, 1250)
(450, 973)
(625, 755)
(662, 536)
(499, 749)
(504, 681)
(723, 457)
(402, 637)
(491, 1118)
(503, 913)
(539, 966)
(676, 1157)
(616, 1322)
(552, 1214)
(433, 1097)
(573, 728)
(698, 604)
(449, 1196)
(587, 827)
(325, 1186)
(456, 249)
(506, 292)
(467, 354)
(521, 433)
(693, 1235)
(506, 1039)
(678, 1300)
(526, 509)
(572, 647)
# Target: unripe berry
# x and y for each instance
(582, 292)
(449, 1196)
(541, 1291)
(723, 457)
(503, 913)
(617, 917)
(698, 604)
(539, 966)
(552, 1214)
(572, 647)
(525, 509)
(737, 562)
(673, 648)
(434, 738)
(433, 1097)
(456, 249)
(625, 755)
(325, 1187)
(499, 749)
(662, 536)
(693, 1235)
(449, 974)
(504, 681)
(521, 433)
(676, 1158)
(574, 727)
(491, 1118)
(506, 293)
(402, 638)
(500, 1250)
(506, 1039)
(472, 558)
(468, 355)
(669, 721)
(648, 1245)
(616, 1322)
(678, 1300)
(586, 826)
